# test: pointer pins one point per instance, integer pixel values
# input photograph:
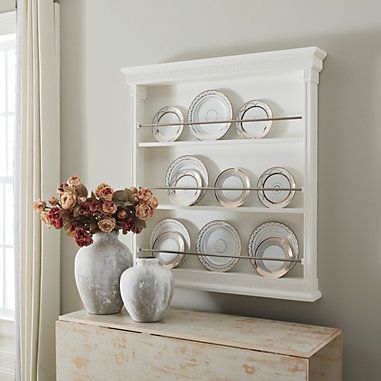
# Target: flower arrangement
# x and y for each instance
(105, 210)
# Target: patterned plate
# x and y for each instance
(211, 105)
(254, 110)
(168, 114)
(273, 230)
(276, 178)
(220, 238)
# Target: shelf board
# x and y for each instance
(241, 209)
(201, 143)
(247, 284)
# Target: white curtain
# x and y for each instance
(38, 250)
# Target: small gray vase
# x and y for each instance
(147, 290)
(98, 268)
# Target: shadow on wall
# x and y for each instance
(349, 242)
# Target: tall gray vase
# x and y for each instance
(98, 269)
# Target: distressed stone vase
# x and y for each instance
(98, 269)
(147, 290)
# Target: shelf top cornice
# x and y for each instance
(264, 63)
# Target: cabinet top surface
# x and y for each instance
(244, 64)
(228, 330)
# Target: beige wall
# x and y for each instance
(7, 5)
(98, 38)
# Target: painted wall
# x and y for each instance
(99, 39)
(7, 5)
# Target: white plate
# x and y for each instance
(184, 163)
(172, 241)
(168, 114)
(254, 110)
(273, 230)
(232, 178)
(210, 106)
(277, 248)
(183, 179)
(220, 238)
(276, 178)
(170, 225)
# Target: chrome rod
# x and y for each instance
(217, 255)
(225, 189)
(218, 122)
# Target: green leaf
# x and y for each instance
(122, 195)
(82, 190)
(93, 196)
(76, 211)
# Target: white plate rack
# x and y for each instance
(288, 81)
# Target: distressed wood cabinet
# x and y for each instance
(189, 345)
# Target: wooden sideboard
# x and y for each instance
(189, 345)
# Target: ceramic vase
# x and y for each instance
(98, 269)
(147, 290)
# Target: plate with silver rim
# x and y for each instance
(276, 178)
(254, 109)
(219, 238)
(171, 241)
(184, 179)
(171, 225)
(232, 178)
(168, 114)
(210, 106)
(273, 229)
(274, 248)
(185, 163)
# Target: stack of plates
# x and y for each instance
(276, 178)
(186, 171)
(219, 238)
(171, 235)
(170, 115)
(273, 240)
(232, 178)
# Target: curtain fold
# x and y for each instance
(38, 175)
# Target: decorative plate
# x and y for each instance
(219, 238)
(273, 230)
(168, 114)
(187, 163)
(232, 178)
(187, 178)
(210, 106)
(170, 225)
(277, 248)
(254, 110)
(276, 178)
(172, 241)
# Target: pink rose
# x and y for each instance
(109, 207)
(73, 181)
(102, 190)
(153, 203)
(122, 214)
(106, 193)
(129, 225)
(44, 216)
(142, 194)
(55, 217)
(82, 237)
(53, 201)
(39, 206)
(107, 224)
(143, 212)
(68, 200)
